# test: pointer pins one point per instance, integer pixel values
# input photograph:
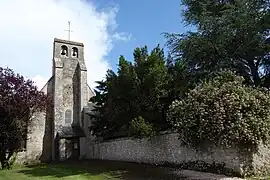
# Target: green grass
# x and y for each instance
(84, 170)
(51, 172)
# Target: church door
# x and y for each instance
(72, 149)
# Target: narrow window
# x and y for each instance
(68, 117)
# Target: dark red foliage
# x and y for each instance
(19, 99)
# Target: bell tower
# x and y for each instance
(69, 97)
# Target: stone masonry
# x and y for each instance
(56, 134)
(167, 149)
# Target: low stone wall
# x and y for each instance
(167, 149)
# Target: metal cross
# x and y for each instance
(69, 31)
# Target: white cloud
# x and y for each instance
(28, 28)
(122, 36)
(39, 81)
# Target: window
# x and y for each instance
(75, 145)
(75, 52)
(68, 118)
(64, 50)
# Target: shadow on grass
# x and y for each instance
(109, 169)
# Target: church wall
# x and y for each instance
(48, 134)
(70, 83)
(90, 93)
(83, 92)
(34, 145)
(58, 107)
(70, 91)
(85, 123)
(88, 140)
(39, 143)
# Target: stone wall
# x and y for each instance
(261, 160)
(167, 149)
(39, 143)
(34, 145)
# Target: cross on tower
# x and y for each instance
(69, 31)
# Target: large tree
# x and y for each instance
(135, 90)
(19, 99)
(230, 34)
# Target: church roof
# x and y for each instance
(71, 131)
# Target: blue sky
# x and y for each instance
(104, 26)
(145, 20)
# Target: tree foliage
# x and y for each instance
(136, 89)
(223, 111)
(139, 128)
(19, 99)
(230, 35)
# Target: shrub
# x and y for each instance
(222, 111)
(139, 128)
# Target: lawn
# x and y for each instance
(84, 170)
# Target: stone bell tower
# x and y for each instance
(70, 95)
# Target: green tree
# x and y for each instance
(153, 79)
(102, 124)
(135, 90)
(141, 129)
(230, 35)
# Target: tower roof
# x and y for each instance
(68, 42)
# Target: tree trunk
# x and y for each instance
(255, 73)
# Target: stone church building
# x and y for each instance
(62, 132)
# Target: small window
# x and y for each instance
(68, 115)
(75, 52)
(64, 50)
(75, 145)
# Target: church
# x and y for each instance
(62, 132)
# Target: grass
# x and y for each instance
(85, 170)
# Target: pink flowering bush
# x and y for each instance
(223, 111)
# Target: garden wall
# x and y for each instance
(167, 149)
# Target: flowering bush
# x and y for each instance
(222, 111)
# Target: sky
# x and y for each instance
(108, 29)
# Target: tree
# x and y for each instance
(223, 111)
(101, 125)
(135, 90)
(19, 99)
(153, 79)
(141, 129)
(230, 35)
